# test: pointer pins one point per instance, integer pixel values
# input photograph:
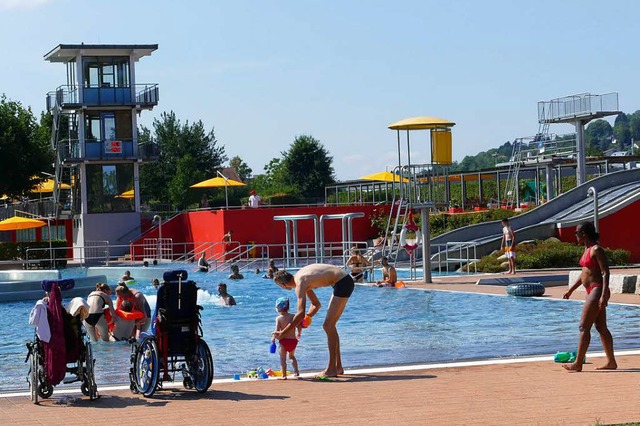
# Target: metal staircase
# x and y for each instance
(62, 174)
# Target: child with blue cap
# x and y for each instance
(288, 340)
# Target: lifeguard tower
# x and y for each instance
(95, 139)
(421, 187)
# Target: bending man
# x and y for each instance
(305, 281)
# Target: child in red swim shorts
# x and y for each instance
(289, 340)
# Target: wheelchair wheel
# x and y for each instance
(146, 367)
(45, 390)
(89, 387)
(202, 367)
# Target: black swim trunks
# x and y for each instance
(344, 287)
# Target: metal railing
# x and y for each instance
(582, 104)
(447, 257)
(78, 150)
(142, 95)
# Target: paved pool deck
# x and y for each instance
(531, 391)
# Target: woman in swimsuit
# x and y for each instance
(595, 279)
(96, 323)
(357, 263)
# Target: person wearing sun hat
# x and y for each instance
(254, 199)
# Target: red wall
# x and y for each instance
(617, 231)
(257, 225)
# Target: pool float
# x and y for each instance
(410, 226)
(130, 282)
(525, 289)
(399, 284)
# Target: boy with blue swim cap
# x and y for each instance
(288, 339)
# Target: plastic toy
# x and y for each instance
(272, 347)
(306, 322)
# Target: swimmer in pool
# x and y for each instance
(357, 263)
(304, 282)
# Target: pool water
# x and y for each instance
(380, 326)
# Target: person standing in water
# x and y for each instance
(305, 281)
(595, 279)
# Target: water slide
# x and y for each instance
(615, 191)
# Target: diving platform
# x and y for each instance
(581, 107)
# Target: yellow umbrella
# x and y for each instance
(127, 194)
(219, 182)
(48, 186)
(16, 223)
(384, 177)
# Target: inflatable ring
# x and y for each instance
(403, 239)
(525, 289)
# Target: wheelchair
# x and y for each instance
(176, 345)
(47, 364)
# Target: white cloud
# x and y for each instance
(21, 4)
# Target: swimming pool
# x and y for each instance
(380, 326)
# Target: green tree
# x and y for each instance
(244, 171)
(634, 127)
(188, 154)
(24, 147)
(622, 132)
(307, 167)
(598, 135)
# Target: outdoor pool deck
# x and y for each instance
(533, 391)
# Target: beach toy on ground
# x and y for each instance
(269, 372)
(272, 347)
(562, 357)
(567, 357)
(306, 322)
(574, 355)
(264, 376)
(236, 377)
(251, 374)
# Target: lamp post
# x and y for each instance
(226, 185)
(159, 219)
(592, 192)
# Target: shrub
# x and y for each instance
(548, 254)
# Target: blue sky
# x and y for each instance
(263, 72)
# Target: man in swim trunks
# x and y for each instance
(305, 281)
(595, 278)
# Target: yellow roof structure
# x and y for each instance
(217, 182)
(422, 123)
(130, 194)
(15, 223)
(384, 177)
(47, 186)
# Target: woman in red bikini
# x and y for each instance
(595, 279)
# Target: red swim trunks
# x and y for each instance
(289, 344)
